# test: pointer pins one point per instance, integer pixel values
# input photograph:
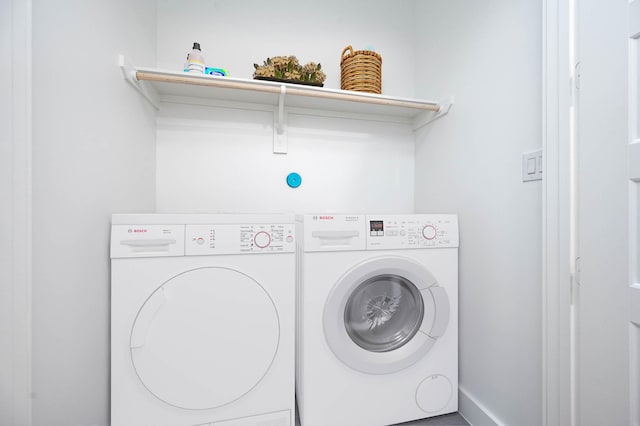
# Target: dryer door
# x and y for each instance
(205, 338)
(385, 314)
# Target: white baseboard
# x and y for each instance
(474, 412)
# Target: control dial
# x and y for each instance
(429, 232)
(262, 239)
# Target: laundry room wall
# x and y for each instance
(218, 160)
(93, 154)
(234, 35)
(221, 159)
(98, 149)
(488, 55)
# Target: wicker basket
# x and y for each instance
(361, 70)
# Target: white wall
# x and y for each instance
(488, 54)
(603, 349)
(6, 217)
(93, 154)
(219, 159)
(15, 202)
(236, 34)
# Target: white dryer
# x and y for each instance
(377, 319)
(202, 320)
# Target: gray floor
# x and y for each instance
(454, 419)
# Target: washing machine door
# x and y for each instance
(205, 338)
(385, 314)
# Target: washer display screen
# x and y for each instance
(376, 225)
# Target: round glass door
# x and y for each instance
(205, 338)
(383, 313)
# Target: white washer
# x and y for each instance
(377, 319)
(202, 320)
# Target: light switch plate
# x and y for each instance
(532, 165)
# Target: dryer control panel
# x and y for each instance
(411, 231)
(147, 240)
(203, 239)
(200, 239)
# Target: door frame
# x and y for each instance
(634, 208)
(16, 208)
(556, 215)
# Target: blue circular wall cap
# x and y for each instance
(294, 180)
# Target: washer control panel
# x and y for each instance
(412, 231)
(204, 239)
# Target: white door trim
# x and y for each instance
(556, 196)
(16, 212)
(634, 209)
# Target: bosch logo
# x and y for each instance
(323, 218)
(137, 231)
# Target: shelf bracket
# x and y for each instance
(428, 117)
(279, 125)
(280, 119)
(129, 74)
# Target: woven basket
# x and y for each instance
(361, 70)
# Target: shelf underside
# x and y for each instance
(167, 83)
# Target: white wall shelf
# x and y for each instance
(156, 85)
